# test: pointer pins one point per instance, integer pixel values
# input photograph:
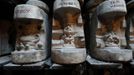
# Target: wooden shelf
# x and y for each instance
(101, 64)
(4, 60)
(33, 66)
(6, 64)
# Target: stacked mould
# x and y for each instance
(107, 38)
(68, 43)
(31, 22)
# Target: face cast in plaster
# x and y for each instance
(28, 35)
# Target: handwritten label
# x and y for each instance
(68, 3)
(22, 11)
(117, 4)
